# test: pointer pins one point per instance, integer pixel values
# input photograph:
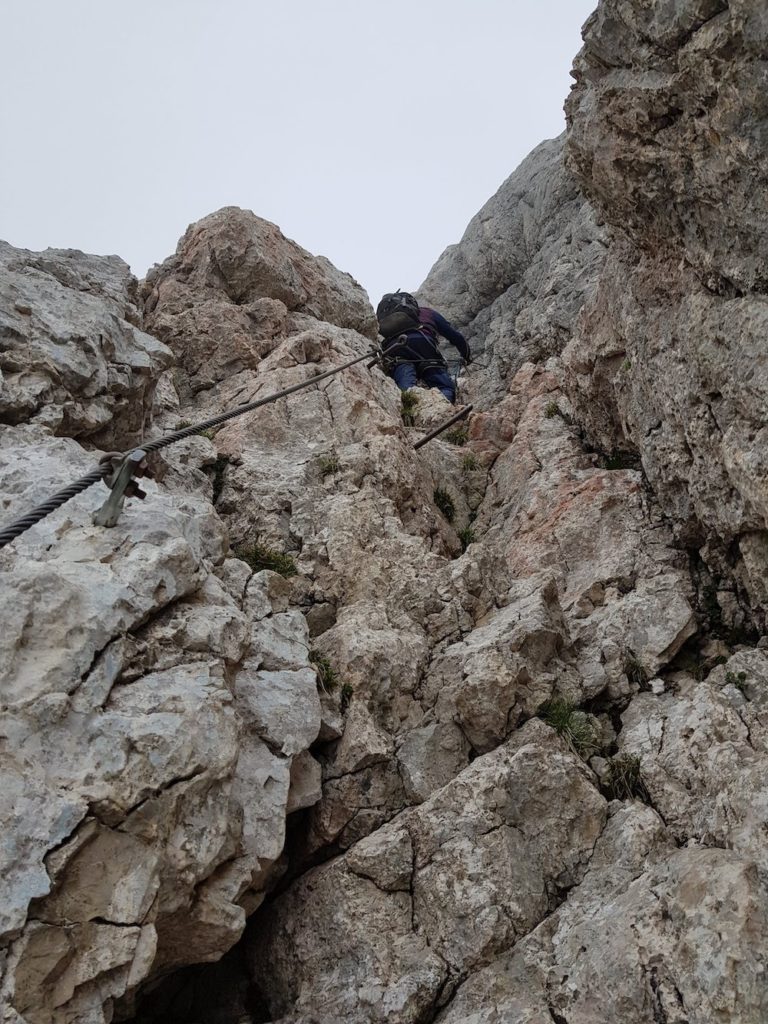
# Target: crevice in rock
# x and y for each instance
(557, 1018)
(217, 993)
(120, 817)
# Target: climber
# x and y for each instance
(410, 345)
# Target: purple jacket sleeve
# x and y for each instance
(450, 333)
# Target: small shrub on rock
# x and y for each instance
(737, 679)
(410, 402)
(327, 678)
(259, 557)
(458, 436)
(634, 671)
(467, 536)
(444, 502)
(623, 779)
(328, 465)
(574, 726)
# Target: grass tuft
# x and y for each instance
(458, 436)
(466, 536)
(551, 410)
(469, 463)
(260, 557)
(444, 502)
(328, 465)
(634, 670)
(573, 725)
(327, 678)
(410, 403)
(624, 780)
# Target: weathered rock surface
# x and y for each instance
(643, 938)
(147, 763)
(667, 139)
(73, 356)
(377, 935)
(522, 271)
(234, 288)
(590, 552)
(704, 751)
(155, 693)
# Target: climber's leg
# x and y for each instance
(404, 375)
(439, 377)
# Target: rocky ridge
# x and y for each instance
(508, 706)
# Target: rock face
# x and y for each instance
(521, 273)
(474, 733)
(224, 300)
(73, 357)
(668, 141)
(377, 934)
(158, 701)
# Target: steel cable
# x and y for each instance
(19, 526)
(443, 426)
(179, 435)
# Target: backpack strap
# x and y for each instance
(397, 350)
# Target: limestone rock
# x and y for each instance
(450, 857)
(222, 302)
(75, 357)
(516, 281)
(681, 959)
(668, 359)
(143, 813)
(443, 889)
(306, 782)
(704, 756)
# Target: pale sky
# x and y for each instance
(371, 132)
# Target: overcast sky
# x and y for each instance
(371, 131)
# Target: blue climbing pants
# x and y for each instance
(406, 374)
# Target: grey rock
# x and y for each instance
(376, 933)
(466, 863)
(680, 959)
(222, 302)
(75, 357)
(668, 361)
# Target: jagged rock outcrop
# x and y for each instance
(667, 140)
(642, 939)
(509, 695)
(234, 288)
(158, 701)
(522, 271)
(474, 865)
(73, 356)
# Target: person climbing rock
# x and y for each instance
(411, 351)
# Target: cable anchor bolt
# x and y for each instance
(121, 483)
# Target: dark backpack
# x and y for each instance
(397, 312)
